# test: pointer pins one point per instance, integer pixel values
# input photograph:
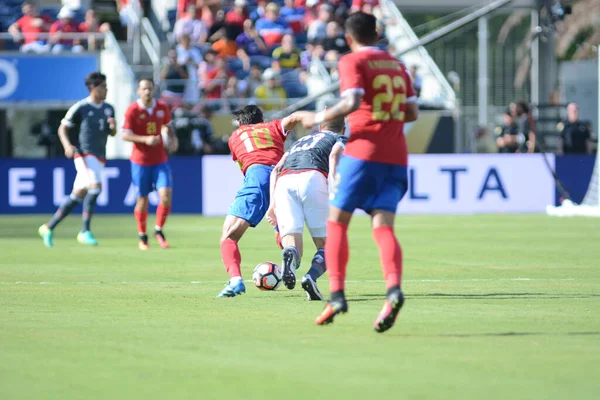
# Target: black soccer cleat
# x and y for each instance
(389, 312)
(332, 308)
(289, 269)
(311, 289)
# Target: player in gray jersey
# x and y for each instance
(95, 121)
(299, 194)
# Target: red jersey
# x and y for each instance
(258, 144)
(25, 24)
(377, 127)
(147, 121)
(65, 27)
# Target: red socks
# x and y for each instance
(162, 212)
(390, 255)
(140, 217)
(232, 259)
(336, 254)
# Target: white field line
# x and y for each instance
(221, 281)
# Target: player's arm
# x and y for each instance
(411, 105)
(531, 135)
(334, 158)
(173, 139)
(589, 142)
(288, 123)
(71, 118)
(112, 123)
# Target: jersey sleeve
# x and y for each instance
(341, 139)
(352, 80)
(73, 116)
(128, 123)
(167, 119)
(276, 128)
(232, 147)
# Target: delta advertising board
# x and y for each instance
(438, 184)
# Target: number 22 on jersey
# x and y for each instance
(257, 139)
(395, 93)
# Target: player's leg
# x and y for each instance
(350, 190)
(234, 228)
(141, 177)
(162, 182)
(315, 199)
(290, 221)
(247, 210)
(389, 195)
(73, 200)
(94, 171)
(317, 269)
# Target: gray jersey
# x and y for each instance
(92, 122)
(312, 152)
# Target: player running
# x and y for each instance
(299, 193)
(257, 146)
(94, 119)
(144, 120)
(377, 95)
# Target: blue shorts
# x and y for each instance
(151, 177)
(368, 185)
(252, 200)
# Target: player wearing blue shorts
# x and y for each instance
(257, 146)
(377, 96)
(144, 120)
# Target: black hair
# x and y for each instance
(337, 125)
(362, 27)
(248, 115)
(94, 79)
(146, 78)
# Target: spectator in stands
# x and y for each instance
(260, 10)
(575, 135)
(271, 27)
(287, 56)
(130, 12)
(216, 82)
(526, 124)
(236, 17)
(318, 28)
(189, 24)
(271, 94)
(366, 6)
(218, 27)
(65, 25)
(310, 12)
(251, 47)
(28, 27)
(205, 67)
(190, 57)
(226, 46)
(174, 76)
(252, 81)
(485, 141)
(91, 24)
(335, 41)
(182, 8)
(293, 15)
(417, 79)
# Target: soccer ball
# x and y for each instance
(267, 276)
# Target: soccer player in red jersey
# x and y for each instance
(257, 146)
(378, 98)
(150, 171)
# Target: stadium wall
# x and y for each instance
(452, 184)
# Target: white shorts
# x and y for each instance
(88, 172)
(299, 198)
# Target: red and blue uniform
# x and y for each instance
(257, 149)
(372, 173)
(149, 168)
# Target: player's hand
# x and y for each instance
(271, 218)
(70, 151)
(173, 144)
(112, 123)
(152, 140)
(307, 119)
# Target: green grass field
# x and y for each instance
(498, 307)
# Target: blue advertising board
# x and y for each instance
(575, 172)
(39, 186)
(44, 78)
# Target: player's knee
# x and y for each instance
(95, 189)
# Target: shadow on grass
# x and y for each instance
(482, 296)
(501, 334)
